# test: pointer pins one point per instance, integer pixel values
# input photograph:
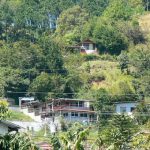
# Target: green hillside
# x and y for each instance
(45, 52)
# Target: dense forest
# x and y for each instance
(37, 59)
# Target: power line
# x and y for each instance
(72, 93)
(115, 114)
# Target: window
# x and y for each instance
(75, 104)
(65, 114)
(81, 104)
(132, 109)
(122, 109)
(86, 46)
(28, 128)
(83, 115)
(74, 114)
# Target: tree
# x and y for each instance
(54, 57)
(103, 105)
(118, 133)
(123, 10)
(72, 85)
(4, 113)
(123, 61)
(88, 28)
(131, 30)
(95, 7)
(6, 19)
(141, 141)
(108, 37)
(139, 58)
(41, 85)
(141, 113)
(13, 81)
(70, 24)
(28, 55)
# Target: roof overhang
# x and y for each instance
(10, 124)
(26, 98)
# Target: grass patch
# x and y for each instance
(19, 116)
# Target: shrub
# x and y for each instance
(90, 57)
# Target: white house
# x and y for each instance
(70, 109)
(7, 126)
(86, 47)
(125, 107)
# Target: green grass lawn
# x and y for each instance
(19, 116)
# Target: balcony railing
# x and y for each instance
(39, 111)
(72, 107)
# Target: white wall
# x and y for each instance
(76, 118)
(128, 107)
(3, 129)
(15, 108)
(91, 51)
(36, 126)
(86, 104)
(32, 115)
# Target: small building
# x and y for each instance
(23, 101)
(86, 47)
(7, 126)
(74, 109)
(70, 109)
(125, 107)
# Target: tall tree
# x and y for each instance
(112, 44)
(94, 7)
(118, 133)
(123, 10)
(70, 24)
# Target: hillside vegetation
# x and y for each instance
(37, 59)
(18, 116)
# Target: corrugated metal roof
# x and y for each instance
(10, 124)
(26, 98)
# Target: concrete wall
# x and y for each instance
(32, 115)
(3, 129)
(35, 126)
(15, 108)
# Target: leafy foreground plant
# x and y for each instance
(4, 112)
(73, 139)
(17, 141)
